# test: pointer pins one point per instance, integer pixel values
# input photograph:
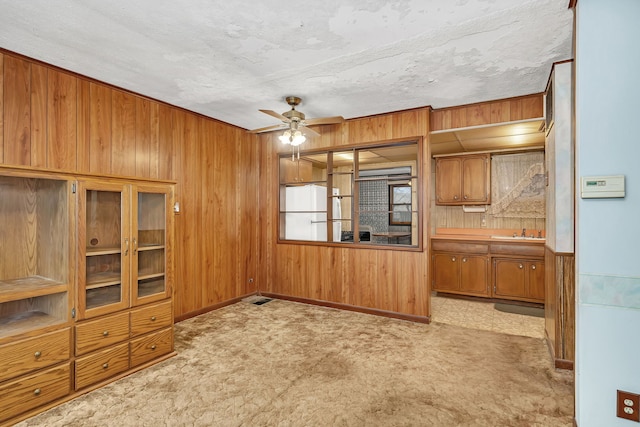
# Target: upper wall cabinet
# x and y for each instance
(463, 180)
(123, 248)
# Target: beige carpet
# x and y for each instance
(289, 364)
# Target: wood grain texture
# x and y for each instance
(38, 116)
(62, 120)
(17, 111)
(1, 108)
(142, 137)
(83, 126)
(100, 129)
(123, 133)
(101, 365)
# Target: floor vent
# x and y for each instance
(262, 301)
(256, 299)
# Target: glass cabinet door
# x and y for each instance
(149, 234)
(105, 248)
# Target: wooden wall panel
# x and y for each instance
(166, 166)
(38, 126)
(483, 113)
(83, 126)
(123, 133)
(143, 137)
(99, 128)
(212, 282)
(1, 108)
(62, 119)
(246, 170)
(17, 111)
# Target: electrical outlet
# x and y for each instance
(628, 406)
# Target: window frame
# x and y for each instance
(417, 185)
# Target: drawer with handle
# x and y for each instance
(28, 355)
(151, 346)
(102, 332)
(102, 365)
(26, 393)
(150, 318)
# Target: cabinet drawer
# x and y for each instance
(28, 355)
(29, 392)
(150, 318)
(101, 333)
(460, 247)
(151, 346)
(517, 250)
(102, 365)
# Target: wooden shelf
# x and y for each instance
(101, 280)
(150, 247)
(103, 251)
(106, 295)
(149, 276)
(29, 287)
(25, 321)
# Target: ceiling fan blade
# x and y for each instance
(276, 115)
(325, 120)
(309, 131)
(270, 128)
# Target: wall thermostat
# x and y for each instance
(602, 187)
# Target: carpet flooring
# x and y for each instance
(289, 364)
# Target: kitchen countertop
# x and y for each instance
(485, 235)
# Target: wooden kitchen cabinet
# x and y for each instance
(519, 279)
(460, 268)
(297, 170)
(463, 180)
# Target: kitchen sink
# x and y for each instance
(516, 238)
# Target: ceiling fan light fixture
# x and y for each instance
(286, 138)
(297, 138)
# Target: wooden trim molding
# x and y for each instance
(564, 364)
(209, 308)
(348, 307)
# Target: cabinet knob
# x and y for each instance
(466, 197)
(153, 318)
(455, 197)
(37, 354)
(153, 347)
(105, 366)
(37, 392)
(105, 333)
(520, 266)
(464, 260)
(453, 259)
(533, 267)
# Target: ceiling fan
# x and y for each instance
(295, 123)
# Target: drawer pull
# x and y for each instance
(105, 333)
(153, 347)
(153, 318)
(36, 392)
(453, 259)
(533, 267)
(37, 354)
(105, 366)
(520, 266)
(464, 260)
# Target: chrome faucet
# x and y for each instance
(524, 232)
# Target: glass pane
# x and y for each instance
(103, 281)
(151, 236)
(401, 214)
(401, 194)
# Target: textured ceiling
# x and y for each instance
(227, 59)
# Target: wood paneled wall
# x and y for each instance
(560, 307)
(57, 120)
(380, 279)
(506, 110)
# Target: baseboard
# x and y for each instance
(348, 307)
(207, 309)
(564, 364)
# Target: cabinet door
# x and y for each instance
(150, 243)
(509, 280)
(446, 272)
(535, 281)
(104, 248)
(448, 180)
(475, 180)
(473, 274)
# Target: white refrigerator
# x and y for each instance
(306, 213)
